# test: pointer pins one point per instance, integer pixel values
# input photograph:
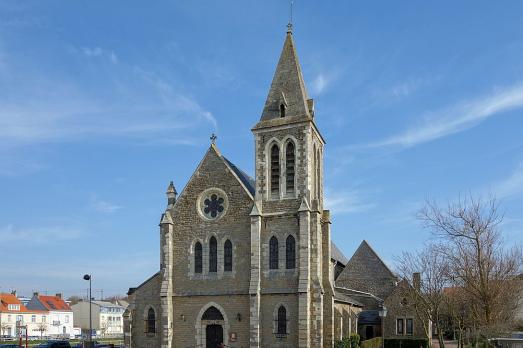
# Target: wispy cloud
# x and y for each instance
(100, 52)
(511, 186)
(39, 234)
(103, 206)
(347, 202)
(320, 83)
(457, 118)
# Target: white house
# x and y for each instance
(14, 316)
(59, 315)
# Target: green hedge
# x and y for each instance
(348, 342)
(406, 343)
(372, 343)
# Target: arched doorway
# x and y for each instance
(212, 326)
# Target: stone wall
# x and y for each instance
(145, 296)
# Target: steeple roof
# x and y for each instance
(288, 87)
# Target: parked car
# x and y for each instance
(10, 345)
(54, 344)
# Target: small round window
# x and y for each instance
(212, 204)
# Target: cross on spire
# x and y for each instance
(289, 25)
(213, 138)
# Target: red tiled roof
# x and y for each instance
(54, 303)
(10, 299)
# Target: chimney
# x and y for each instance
(416, 280)
(59, 295)
(35, 294)
(13, 292)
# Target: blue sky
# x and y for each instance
(102, 103)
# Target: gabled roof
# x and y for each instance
(10, 299)
(287, 87)
(247, 181)
(367, 272)
(337, 255)
(54, 303)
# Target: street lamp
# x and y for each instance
(383, 313)
(88, 277)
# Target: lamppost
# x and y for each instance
(383, 314)
(90, 344)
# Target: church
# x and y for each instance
(249, 262)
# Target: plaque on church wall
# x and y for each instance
(233, 337)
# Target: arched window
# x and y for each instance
(227, 256)
(275, 171)
(273, 253)
(282, 321)
(282, 110)
(289, 167)
(198, 258)
(213, 255)
(150, 326)
(290, 253)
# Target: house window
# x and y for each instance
(399, 326)
(289, 167)
(281, 328)
(33, 318)
(227, 256)
(198, 257)
(151, 321)
(43, 318)
(9, 318)
(213, 255)
(66, 318)
(410, 326)
(273, 253)
(275, 171)
(290, 253)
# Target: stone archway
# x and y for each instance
(212, 320)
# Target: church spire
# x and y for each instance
(288, 96)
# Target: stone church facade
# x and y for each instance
(249, 262)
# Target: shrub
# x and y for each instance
(406, 343)
(345, 343)
(372, 343)
(354, 340)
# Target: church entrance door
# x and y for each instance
(214, 336)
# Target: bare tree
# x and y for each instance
(4, 327)
(426, 271)
(41, 327)
(74, 299)
(479, 260)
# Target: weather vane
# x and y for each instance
(289, 25)
(213, 138)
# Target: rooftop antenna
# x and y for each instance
(289, 25)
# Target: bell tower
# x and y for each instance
(289, 204)
(289, 146)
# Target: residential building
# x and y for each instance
(59, 315)
(14, 316)
(107, 317)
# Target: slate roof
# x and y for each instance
(337, 255)
(247, 180)
(340, 296)
(106, 304)
(369, 317)
(287, 86)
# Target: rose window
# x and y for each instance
(212, 204)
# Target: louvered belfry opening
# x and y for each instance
(290, 167)
(275, 171)
(273, 253)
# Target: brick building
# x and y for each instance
(249, 262)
